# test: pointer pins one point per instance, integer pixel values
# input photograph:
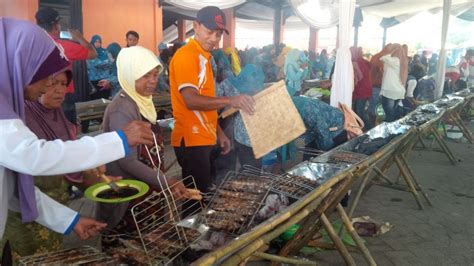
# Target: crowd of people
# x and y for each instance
(40, 155)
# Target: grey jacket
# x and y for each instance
(120, 112)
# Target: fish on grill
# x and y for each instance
(238, 195)
(247, 185)
(224, 220)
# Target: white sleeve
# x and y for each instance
(390, 60)
(51, 213)
(22, 151)
(411, 88)
(54, 215)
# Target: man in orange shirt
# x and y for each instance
(194, 100)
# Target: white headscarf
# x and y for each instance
(132, 64)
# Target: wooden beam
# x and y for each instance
(278, 26)
(181, 30)
(313, 39)
(229, 39)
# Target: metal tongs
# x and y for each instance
(192, 193)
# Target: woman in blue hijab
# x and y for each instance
(224, 69)
(295, 69)
(249, 81)
(96, 41)
(114, 49)
(98, 70)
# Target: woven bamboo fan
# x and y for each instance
(275, 121)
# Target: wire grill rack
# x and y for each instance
(235, 204)
(85, 255)
(338, 157)
(290, 185)
(157, 218)
(158, 215)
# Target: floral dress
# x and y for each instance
(33, 238)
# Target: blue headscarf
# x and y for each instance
(101, 52)
(224, 70)
(114, 49)
(292, 69)
(250, 80)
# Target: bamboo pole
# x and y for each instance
(409, 182)
(264, 239)
(277, 258)
(271, 223)
(443, 146)
(415, 181)
(360, 244)
(382, 175)
(467, 133)
(308, 227)
(337, 241)
(355, 202)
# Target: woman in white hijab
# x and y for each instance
(138, 70)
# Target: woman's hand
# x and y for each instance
(93, 176)
(87, 228)
(177, 188)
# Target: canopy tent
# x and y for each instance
(322, 13)
(328, 13)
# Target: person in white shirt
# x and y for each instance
(395, 72)
(28, 59)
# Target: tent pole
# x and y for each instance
(384, 40)
(356, 35)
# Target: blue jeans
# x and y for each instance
(374, 100)
(359, 109)
(390, 107)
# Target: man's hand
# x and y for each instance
(224, 142)
(138, 132)
(77, 36)
(87, 228)
(243, 102)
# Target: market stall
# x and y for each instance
(251, 208)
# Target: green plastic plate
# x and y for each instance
(92, 191)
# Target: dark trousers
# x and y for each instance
(246, 156)
(199, 162)
(390, 108)
(359, 109)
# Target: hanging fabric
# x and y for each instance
(343, 78)
(441, 69)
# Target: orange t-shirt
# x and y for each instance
(191, 67)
